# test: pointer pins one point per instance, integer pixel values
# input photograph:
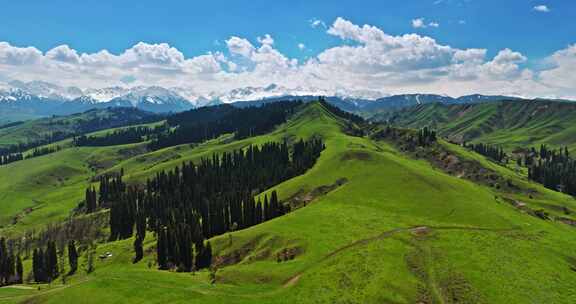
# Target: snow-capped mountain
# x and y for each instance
(155, 99)
(12, 95)
(270, 91)
(47, 90)
(105, 94)
(43, 98)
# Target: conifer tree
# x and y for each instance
(72, 257)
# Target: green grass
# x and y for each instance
(511, 124)
(357, 241)
(35, 130)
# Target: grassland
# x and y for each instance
(398, 231)
(511, 124)
(34, 130)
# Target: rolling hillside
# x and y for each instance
(66, 126)
(511, 124)
(372, 224)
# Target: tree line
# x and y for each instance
(207, 123)
(407, 139)
(14, 157)
(194, 202)
(339, 112)
(45, 140)
(10, 158)
(495, 153)
(119, 137)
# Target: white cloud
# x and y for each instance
(18, 56)
(267, 39)
(366, 59)
(240, 46)
(418, 23)
(561, 74)
(421, 23)
(160, 54)
(63, 53)
(317, 23)
(541, 8)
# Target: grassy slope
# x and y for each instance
(510, 124)
(356, 242)
(37, 129)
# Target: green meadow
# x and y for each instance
(397, 230)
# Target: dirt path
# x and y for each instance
(18, 287)
(295, 278)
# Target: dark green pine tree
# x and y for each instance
(161, 250)
(139, 240)
(19, 270)
(72, 256)
(38, 266)
(51, 262)
(3, 262)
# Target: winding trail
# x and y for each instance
(295, 278)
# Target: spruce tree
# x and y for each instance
(72, 257)
(19, 270)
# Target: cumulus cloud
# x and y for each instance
(18, 56)
(63, 53)
(240, 46)
(366, 59)
(541, 8)
(267, 39)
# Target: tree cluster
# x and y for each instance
(43, 151)
(554, 169)
(118, 137)
(22, 147)
(206, 123)
(426, 137)
(407, 139)
(339, 112)
(495, 153)
(10, 158)
(11, 270)
(45, 264)
(193, 202)
(111, 189)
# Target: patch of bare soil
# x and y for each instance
(292, 281)
(356, 155)
(302, 198)
(238, 255)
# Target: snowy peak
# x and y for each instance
(105, 94)
(47, 90)
(153, 95)
(15, 95)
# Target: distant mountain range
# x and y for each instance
(24, 100)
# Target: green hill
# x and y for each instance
(377, 224)
(511, 124)
(65, 126)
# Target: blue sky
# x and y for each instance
(204, 27)
(194, 26)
